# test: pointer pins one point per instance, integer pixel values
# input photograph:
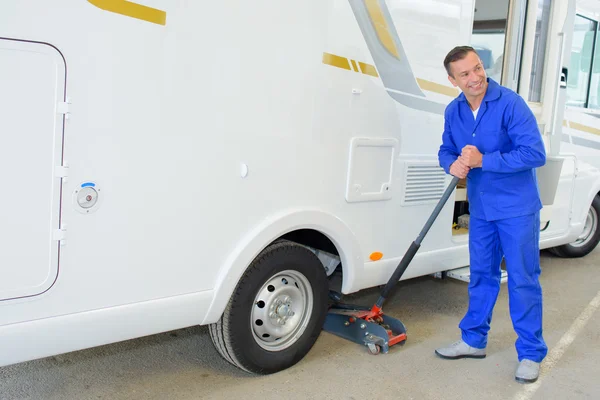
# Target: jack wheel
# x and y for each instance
(374, 349)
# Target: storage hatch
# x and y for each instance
(32, 94)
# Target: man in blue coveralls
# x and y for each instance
(491, 137)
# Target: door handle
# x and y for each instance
(564, 75)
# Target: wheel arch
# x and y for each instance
(585, 187)
(594, 190)
(273, 228)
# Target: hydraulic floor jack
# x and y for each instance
(368, 325)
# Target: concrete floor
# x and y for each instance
(184, 365)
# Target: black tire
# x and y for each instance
(589, 239)
(295, 276)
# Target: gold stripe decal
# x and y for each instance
(132, 10)
(368, 69)
(437, 88)
(345, 63)
(336, 61)
(583, 128)
(381, 26)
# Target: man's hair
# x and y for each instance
(457, 53)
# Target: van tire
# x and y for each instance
(589, 241)
(286, 278)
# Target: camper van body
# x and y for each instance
(160, 157)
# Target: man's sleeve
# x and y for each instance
(448, 152)
(528, 147)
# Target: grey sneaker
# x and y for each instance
(460, 350)
(527, 371)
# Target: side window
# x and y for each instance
(489, 34)
(594, 92)
(580, 69)
(539, 51)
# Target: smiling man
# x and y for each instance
(491, 137)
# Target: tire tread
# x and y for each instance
(226, 345)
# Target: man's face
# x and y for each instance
(469, 75)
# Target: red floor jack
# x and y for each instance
(369, 326)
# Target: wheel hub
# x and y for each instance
(590, 227)
(281, 310)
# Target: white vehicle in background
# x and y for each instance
(176, 163)
(581, 124)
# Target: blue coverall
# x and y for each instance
(504, 206)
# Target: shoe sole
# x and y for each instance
(524, 380)
(461, 356)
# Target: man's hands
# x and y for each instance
(470, 158)
(459, 168)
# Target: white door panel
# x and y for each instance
(32, 81)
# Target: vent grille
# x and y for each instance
(423, 184)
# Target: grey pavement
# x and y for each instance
(183, 365)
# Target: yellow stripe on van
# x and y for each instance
(336, 61)
(584, 128)
(381, 27)
(437, 88)
(349, 64)
(133, 10)
(368, 69)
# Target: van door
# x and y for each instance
(546, 54)
(524, 46)
(543, 83)
(32, 95)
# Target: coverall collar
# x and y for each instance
(492, 92)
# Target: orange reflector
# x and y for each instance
(376, 256)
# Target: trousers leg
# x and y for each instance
(520, 240)
(485, 258)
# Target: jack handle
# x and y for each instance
(414, 247)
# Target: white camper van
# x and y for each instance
(176, 163)
(581, 125)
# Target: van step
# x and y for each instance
(464, 274)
